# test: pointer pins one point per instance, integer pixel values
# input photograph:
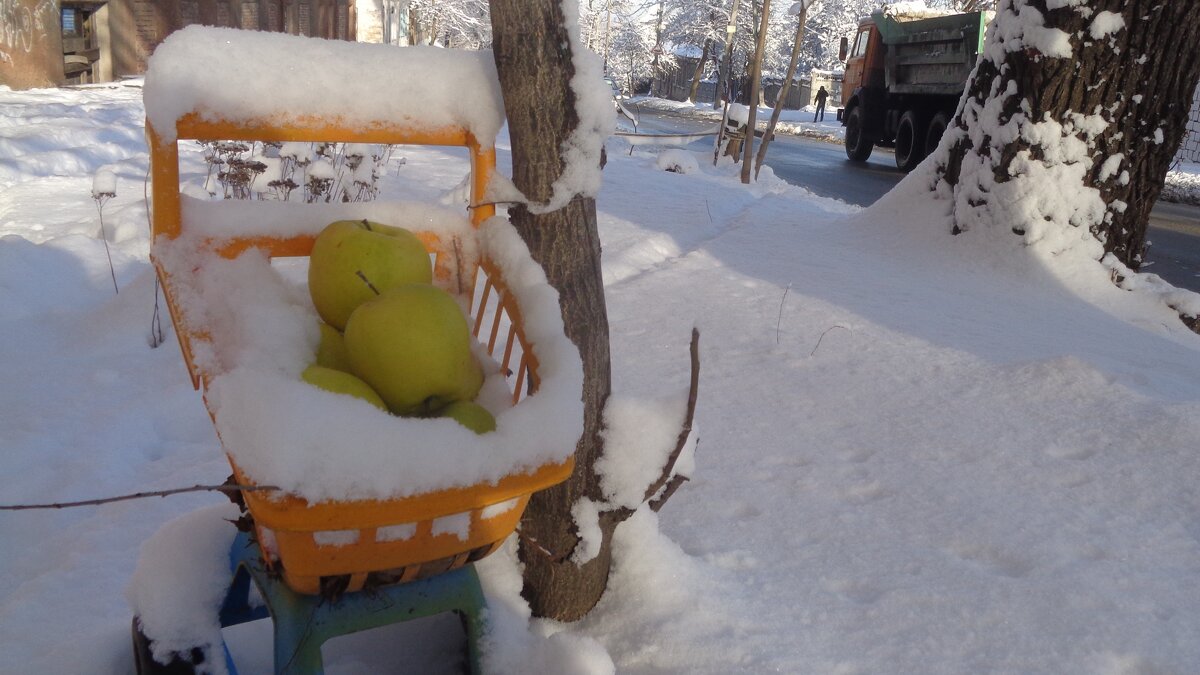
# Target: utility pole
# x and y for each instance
(727, 61)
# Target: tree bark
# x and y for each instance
(535, 72)
(1117, 83)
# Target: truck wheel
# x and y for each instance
(858, 140)
(937, 127)
(910, 141)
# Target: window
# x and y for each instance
(70, 21)
(860, 43)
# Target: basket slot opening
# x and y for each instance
(518, 389)
(500, 509)
(508, 349)
(480, 299)
(497, 319)
(457, 524)
(401, 532)
(504, 341)
(337, 537)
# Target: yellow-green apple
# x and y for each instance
(331, 350)
(413, 346)
(471, 415)
(352, 261)
(340, 382)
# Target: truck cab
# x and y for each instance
(864, 61)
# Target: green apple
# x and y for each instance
(339, 382)
(471, 415)
(352, 261)
(413, 346)
(331, 351)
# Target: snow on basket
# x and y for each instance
(362, 494)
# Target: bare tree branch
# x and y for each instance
(140, 495)
(684, 432)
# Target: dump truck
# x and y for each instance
(904, 76)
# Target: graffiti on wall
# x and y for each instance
(22, 26)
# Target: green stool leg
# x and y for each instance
(304, 622)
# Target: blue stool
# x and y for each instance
(304, 622)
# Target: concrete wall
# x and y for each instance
(143, 24)
(30, 44)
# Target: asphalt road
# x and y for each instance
(822, 167)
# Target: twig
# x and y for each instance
(672, 486)
(814, 351)
(141, 495)
(157, 337)
(779, 319)
(684, 432)
(100, 198)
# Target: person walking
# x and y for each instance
(821, 96)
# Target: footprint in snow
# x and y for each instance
(996, 561)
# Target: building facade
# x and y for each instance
(46, 43)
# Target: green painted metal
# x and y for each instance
(933, 55)
(303, 623)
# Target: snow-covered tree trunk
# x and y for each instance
(1067, 129)
(535, 73)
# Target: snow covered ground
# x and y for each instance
(918, 453)
(1183, 184)
(796, 122)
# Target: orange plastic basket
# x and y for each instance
(357, 543)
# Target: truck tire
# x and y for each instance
(858, 141)
(933, 134)
(910, 141)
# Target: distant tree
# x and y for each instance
(697, 24)
(450, 23)
(764, 12)
(800, 8)
(1073, 98)
(828, 23)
